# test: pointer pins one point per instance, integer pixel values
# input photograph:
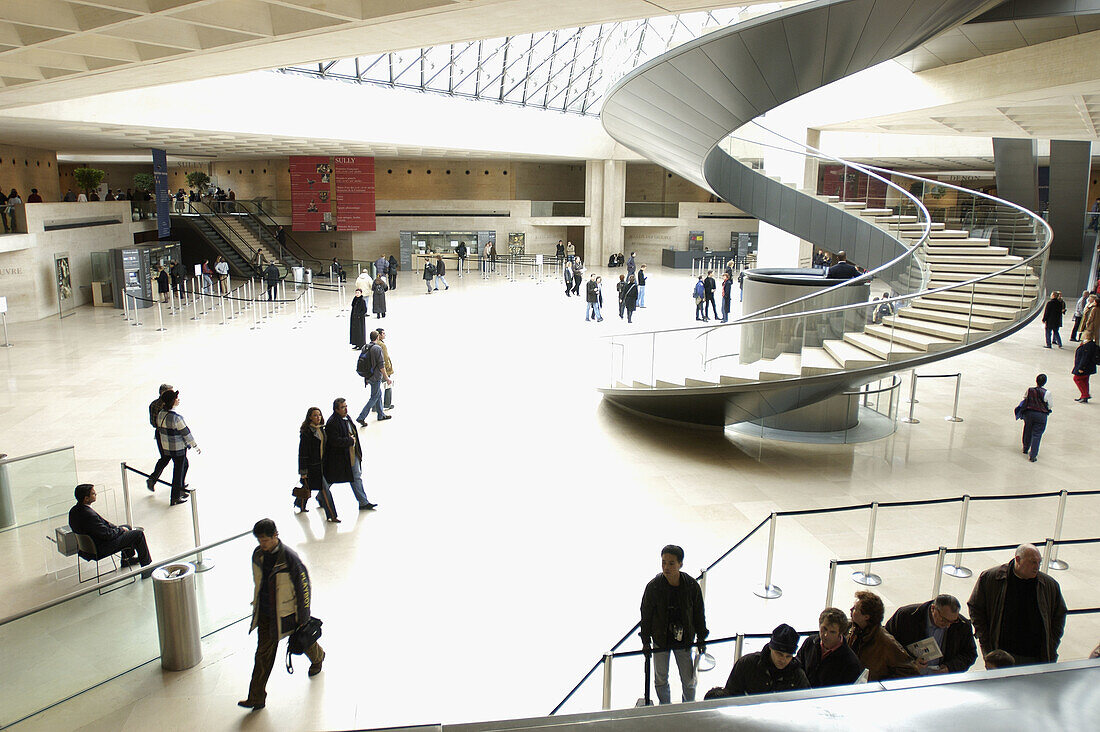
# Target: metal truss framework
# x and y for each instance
(564, 70)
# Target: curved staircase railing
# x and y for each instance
(958, 269)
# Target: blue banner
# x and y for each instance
(160, 176)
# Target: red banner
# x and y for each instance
(317, 183)
(311, 194)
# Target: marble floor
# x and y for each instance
(519, 516)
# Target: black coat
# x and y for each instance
(630, 296)
(1053, 312)
(709, 287)
(654, 611)
(378, 299)
(358, 321)
(842, 271)
(440, 267)
(84, 519)
(310, 452)
(1085, 357)
(162, 281)
(341, 442)
(908, 625)
(756, 674)
(840, 667)
(429, 271)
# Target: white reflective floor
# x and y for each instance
(519, 516)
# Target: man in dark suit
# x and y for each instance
(108, 538)
(709, 286)
(939, 619)
(843, 269)
(343, 459)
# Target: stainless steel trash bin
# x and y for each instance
(174, 591)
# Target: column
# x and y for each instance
(1016, 165)
(605, 198)
(1069, 189)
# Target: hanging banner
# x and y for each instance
(310, 193)
(163, 193)
(354, 193)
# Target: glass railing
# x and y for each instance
(557, 208)
(37, 487)
(973, 299)
(651, 209)
(76, 643)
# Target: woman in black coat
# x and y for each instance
(392, 273)
(1084, 366)
(162, 283)
(358, 320)
(630, 297)
(378, 300)
(311, 453)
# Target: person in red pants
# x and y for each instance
(1084, 366)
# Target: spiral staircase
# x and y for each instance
(963, 269)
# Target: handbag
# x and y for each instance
(1019, 410)
(302, 638)
(301, 492)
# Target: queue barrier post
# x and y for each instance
(126, 497)
(768, 591)
(864, 576)
(607, 658)
(255, 319)
(1055, 562)
(703, 583)
(160, 317)
(955, 409)
(912, 419)
(956, 568)
(1048, 548)
(939, 571)
(195, 298)
(222, 296)
(202, 564)
(832, 583)
(738, 647)
(125, 308)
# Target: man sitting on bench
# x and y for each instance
(108, 538)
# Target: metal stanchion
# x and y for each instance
(1048, 548)
(738, 647)
(769, 591)
(222, 296)
(255, 319)
(607, 657)
(126, 497)
(955, 409)
(939, 571)
(201, 564)
(956, 569)
(195, 300)
(4, 321)
(1055, 562)
(911, 419)
(125, 308)
(137, 315)
(202, 301)
(160, 317)
(865, 576)
(832, 583)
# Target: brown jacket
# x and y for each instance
(386, 358)
(1090, 324)
(987, 604)
(881, 654)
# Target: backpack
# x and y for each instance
(362, 364)
(431, 270)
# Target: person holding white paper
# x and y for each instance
(934, 633)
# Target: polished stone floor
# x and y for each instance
(519, 516)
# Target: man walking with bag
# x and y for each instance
(372, 367)
(280, 605)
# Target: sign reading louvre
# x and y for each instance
(332, 194)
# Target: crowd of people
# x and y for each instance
(1017, 617)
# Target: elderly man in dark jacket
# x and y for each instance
(343, 453)
(826, 657)
(673, 620)
(1017, 608)
(939, 619)
(774, 668)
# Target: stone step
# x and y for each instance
(699, 382)
(940, 330)
(817, 361)
(895, 219)
(992, 288)
(1006, 278)
(740, 374)
(881, 347)
(982, 267)
(932, 250)
(876, 212)
(853, 205)
(669, 384)
(949, 235)
(963, 295)
(850, 356)
(982, 258)
(965, 306)
(963, 320)
(919, 227)
(913, 339)
(783, 366)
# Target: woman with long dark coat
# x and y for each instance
(392, 272)
(311, 454)
(378, 300)
(358, 320)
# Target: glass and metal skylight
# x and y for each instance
(564, 70)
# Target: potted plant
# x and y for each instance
(88, 179)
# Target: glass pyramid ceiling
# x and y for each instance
(565, 70)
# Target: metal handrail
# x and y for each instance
(9, 460)
(250, 260)
(259, 212)
(120, 578)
